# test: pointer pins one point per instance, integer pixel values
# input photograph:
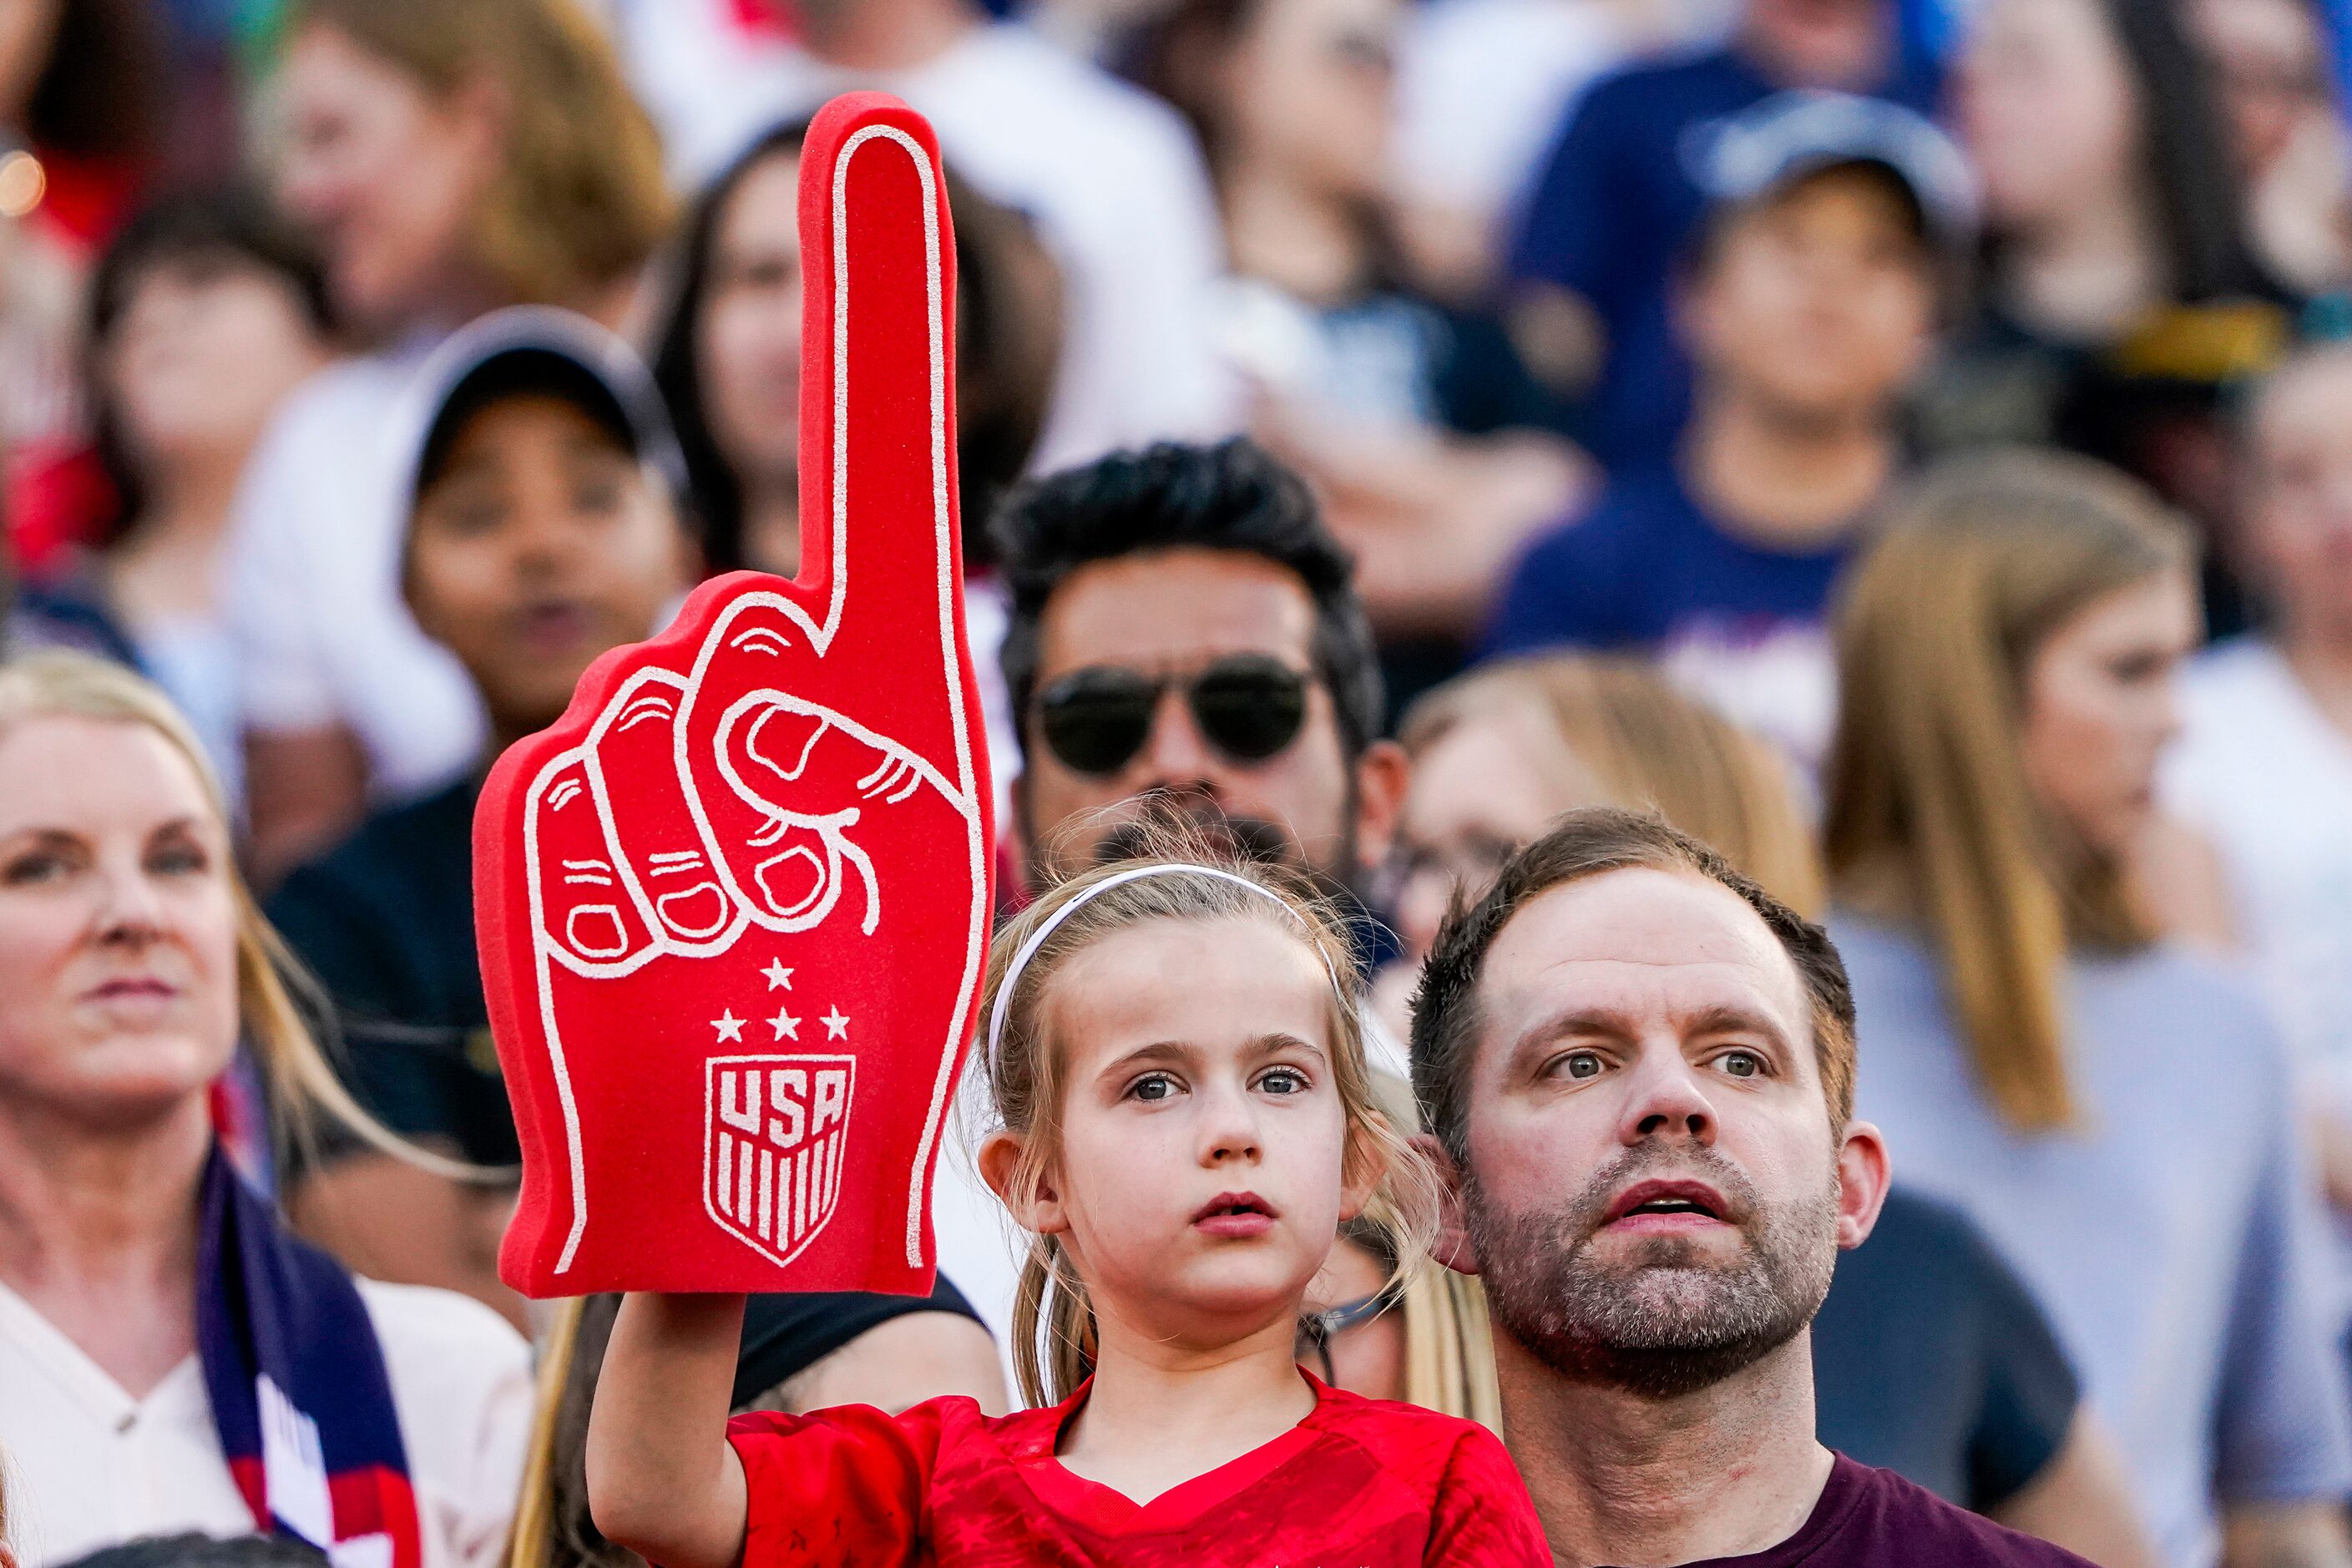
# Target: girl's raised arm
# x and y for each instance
(662, 1479)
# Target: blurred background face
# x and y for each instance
(2048, 108)
(1820, 42)
(1308, 91)
(385, 175)
(118, 927)
(2300, 520)
(539, 546)
(1367, 1357)
(2272, 68)
(204, 350)
(1174, 613)
(2100, 708)
(1486, 786)
(1820, 301)
(749, 338)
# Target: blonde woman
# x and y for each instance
(2113, 1113)
(172, 1359)
(450, 156)
(1930, 1357)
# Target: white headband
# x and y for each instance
(1054, 921)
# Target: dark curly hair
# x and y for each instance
(1231, 496)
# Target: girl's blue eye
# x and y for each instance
(1283, 1080)
(1157, 1087)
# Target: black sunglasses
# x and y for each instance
(1249, 706)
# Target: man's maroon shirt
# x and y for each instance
(1875, 1519)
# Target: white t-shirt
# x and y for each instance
(2260, 771)
(87, 1466)
(1110, 175)
(313, 581)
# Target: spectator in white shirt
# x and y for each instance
(451, 156)
(1109, 175)
(2264, 763)
(132, 963)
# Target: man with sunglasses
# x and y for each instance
(1185, 636)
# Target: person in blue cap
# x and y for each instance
(1809, 301)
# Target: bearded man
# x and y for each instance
(1637, 1067)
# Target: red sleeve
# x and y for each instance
(840, 1488)
(1482, 1515)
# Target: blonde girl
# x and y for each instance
(1186, 1120)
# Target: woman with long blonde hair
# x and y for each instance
(174, 1359)
(2113, 1113)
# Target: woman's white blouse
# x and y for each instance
(86, 1466)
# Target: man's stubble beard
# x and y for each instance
(1662, 1324)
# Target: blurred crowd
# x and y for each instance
(1906, 443)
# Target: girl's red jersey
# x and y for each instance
(1361, 1483)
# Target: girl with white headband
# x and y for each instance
(1186, 1120)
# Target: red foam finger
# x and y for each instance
(730, 1043)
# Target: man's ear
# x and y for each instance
(1036, 1207)
(1382, 774)
(1452, 1245)
(1863, 1175)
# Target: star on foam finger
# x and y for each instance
(836, 1025)
(729, 1025)
(785, 1024)
(777, 975)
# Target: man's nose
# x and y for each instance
(1666, 1100)
(1175, 753)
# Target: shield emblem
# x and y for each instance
(774, 1132)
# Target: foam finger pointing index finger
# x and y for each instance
(877, 502)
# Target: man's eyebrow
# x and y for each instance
(1732, 1020)
(1605, 1022)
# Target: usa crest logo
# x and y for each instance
(774, 1142)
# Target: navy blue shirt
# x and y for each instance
(1647, 571)
(1931, 1359)
(1611, 216)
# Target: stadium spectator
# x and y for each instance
(1185, 635)
(2007, 651)
(150, 1299)
(1112, 182)
(1930, 1357)
(727, 356)
(205, 314)
(1614, 207)
(542, 532)
(2265, 764)
(2274, 64)
(1414, 420)
(1809, 306)
(1638, 1067)
(2121, 301)
(451, 156)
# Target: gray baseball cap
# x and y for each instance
(1747, 158)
